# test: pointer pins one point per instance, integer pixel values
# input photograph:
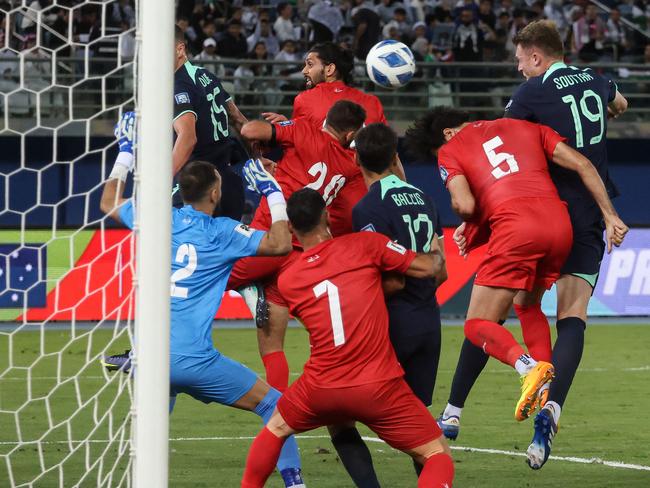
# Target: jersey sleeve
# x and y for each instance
(126, 213)
(184, 99)
(388, 255)
(612, 88)
(298, 107)
(518, 107)
(287, 133)
(550, 140)
(238, 240)
(369, 219)
(448, 164)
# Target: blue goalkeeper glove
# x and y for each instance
(124, 132)
(259, 180)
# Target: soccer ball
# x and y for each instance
(390, 64)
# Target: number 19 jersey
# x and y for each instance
(335, 290)
(573, 102)
(502, 160)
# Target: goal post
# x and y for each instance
(153, 233)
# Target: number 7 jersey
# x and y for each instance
(335, 290)
(502, 160)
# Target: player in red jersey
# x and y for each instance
(352, 374)
(498, 178)
(328, 75)
(317, 157)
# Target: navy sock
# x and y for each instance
(355, 456)
(567, 353)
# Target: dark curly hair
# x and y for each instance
(425, 135)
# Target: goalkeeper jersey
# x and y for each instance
(204, 250)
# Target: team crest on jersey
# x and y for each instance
(285, 123)
(244, 230)
(444, 174)
(368, 228)
(182, 98)
(508, 106)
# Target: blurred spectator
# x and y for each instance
(283, 26)
(264, 33)
(208, 31)
(291, 76)
(123, 13)
(188, 30)
(29, 16)
(386, 10)
(588, 35)
(467, 40)
(249, 17)
(399, 23)
(233, 43)
(247, 78)
(518, 23)
(461, 7)
(326, 21)
(486, 14)
(209, 59)
(420, 45)
(616, 42)
(367, 28)
(553, 10)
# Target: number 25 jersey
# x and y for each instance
(502, 160)
(335, 290)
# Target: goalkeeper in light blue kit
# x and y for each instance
(204, 250)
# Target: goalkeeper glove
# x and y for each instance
(124, 132)
(261, 181)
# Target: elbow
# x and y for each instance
(442, 275)
(247, 131)
(463, 208)
(105, 206)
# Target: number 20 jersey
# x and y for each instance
(335, 290)
(502, 160)
(574, 103)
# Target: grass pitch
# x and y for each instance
(605, 418)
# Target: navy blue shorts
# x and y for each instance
(588, 243)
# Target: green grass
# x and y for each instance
(605, 417)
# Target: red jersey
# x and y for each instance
(314, 104)
(502, 159)
(315, 159)
(335, 290)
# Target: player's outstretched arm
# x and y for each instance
(257, 130)
(462, 199)
(571, 159)
(277, 241)
(235, 117)
(185, 129)
(113, 193)
(429, 264)
(617, 106)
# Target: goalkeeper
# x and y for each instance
(204, 250)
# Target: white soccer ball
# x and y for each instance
(390, 64)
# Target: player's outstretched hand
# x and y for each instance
(615, 230)
(460, 239)
(273, 118)
(124, 132)
(259, 180)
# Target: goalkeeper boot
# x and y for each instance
(450, 426)
(540, 448)
(118, 362)
(255, 299)
(292, 478)
(541, 374)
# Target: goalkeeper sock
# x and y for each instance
(277, 370)
(567, 353)
(495, 340)
(438, 472)
(536, 331)
(356, 458)
(289, 456)
(261, 459)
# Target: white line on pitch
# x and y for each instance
(570, 459)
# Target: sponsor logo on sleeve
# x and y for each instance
(368, 228)
(394, 246)
(284, 123)
(509, 104)
(244, 230)
(444, 174)
(182, 98)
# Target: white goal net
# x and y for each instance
(67, 299)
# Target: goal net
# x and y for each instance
(67, 299)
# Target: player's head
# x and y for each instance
(327, 62)
(200, 185)
(344, 120)
(180, 45)
(306, 211)
(538, 46)
(376, 147)
(430, 132)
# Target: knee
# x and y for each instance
(437, 446)
(471, 327)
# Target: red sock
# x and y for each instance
(277, 370)
(438, 472)
(262, 458)
(497, 341)
(536, 331)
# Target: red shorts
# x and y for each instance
(389, 408)
(264, 270)
(529, 242)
